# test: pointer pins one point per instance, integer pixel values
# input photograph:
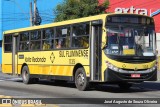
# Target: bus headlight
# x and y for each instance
(152, 69)
(112, 67)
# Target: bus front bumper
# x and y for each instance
(113, 76)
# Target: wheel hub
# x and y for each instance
(80, 79)
(25, 75)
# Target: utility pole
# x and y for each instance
(36, 18)
(35, 11)
(31, 17)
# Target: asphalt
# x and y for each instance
(46, 89)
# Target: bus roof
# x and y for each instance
(67, 22)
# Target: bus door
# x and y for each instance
(14, 54)
(95, 60)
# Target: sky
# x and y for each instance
(16, 13)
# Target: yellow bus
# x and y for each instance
(107, 48)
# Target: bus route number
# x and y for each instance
(71, 61)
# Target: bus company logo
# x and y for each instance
(135, 69)
(52, 57)
(124, 66)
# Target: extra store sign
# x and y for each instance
(142, 11)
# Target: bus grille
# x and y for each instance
(133, 69)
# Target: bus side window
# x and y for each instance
(24, 41)
(24, 46)
(66, 42)
(35, 43)
(85, 41)
(80, 35)
(59, 43)
(32, 46)
(8, 43)
(44, 46)
(62, 39)
(48, 39)
(20, 46)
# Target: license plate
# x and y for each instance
(135, 75)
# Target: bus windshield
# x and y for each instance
(129, 39)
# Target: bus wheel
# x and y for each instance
(26, 75)
(81, 81)
(125, 86)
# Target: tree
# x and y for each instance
(72, 9)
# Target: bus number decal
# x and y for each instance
(71, 61)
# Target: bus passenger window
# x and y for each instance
(44, 46)
(59, 43)
(67, 42)
(80, 35)
(62, 37)
(20, 46)
(35, 43)
(84, 41)
(32, 46)
(8, 43)
(24, 41)
(48, 39)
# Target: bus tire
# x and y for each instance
(81, 81)
(125, 86)
(26, 75)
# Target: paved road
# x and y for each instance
(13, 86)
